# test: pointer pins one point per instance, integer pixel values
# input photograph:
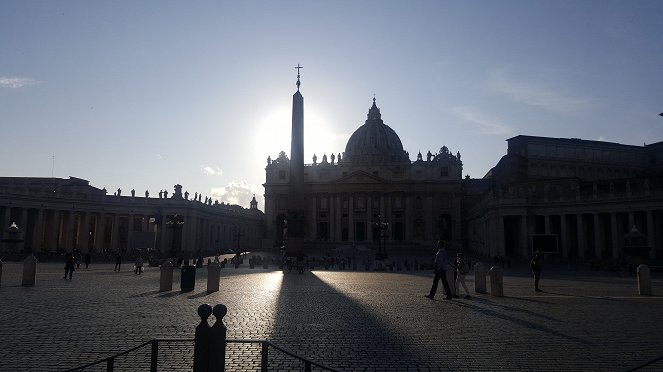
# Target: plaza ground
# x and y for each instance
(347, 320)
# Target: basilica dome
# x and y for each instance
(374, 142)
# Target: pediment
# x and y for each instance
(361, 177)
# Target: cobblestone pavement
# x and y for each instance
(350, 321)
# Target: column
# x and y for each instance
(651, 234)
(339, 215)
(428, 218)
(115, 233)
(6, 221)
(24, 227)
(164, 244)
(313, 220)
(546, 223)
(99, 232)
(581, 236)
(351, 218)
(84, 233)
(500, 236)
(130, 239)
(387, 217)
(38, 232)
(55, 231)
(631, 221)
(524, 243)
(70, 233)
(563, 243)
(409, 213)
(614, 233)
(598, 237)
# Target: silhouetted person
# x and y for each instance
(139, 265)
(88, 258)
(442, 264)
(536, 265)
(118, 261)
(69, 265)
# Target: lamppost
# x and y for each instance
(382, 226)
(238, 251)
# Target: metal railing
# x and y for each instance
(109, 361)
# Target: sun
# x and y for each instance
(274, 131)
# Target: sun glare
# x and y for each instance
(274, 135)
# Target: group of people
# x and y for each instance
(444, 263)
(72, 262)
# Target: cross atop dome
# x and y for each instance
(374, 111)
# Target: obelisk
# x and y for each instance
(296, 219)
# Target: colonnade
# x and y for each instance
(598, 235)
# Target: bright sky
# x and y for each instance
(147, 94)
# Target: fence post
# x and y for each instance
(201, 340)
(30, 270)
(496, 282)
(644, 280)
(155, 353)
(217, 344)
(265, 356)
(166, 276)
(480, 278)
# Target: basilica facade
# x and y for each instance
(371, 194)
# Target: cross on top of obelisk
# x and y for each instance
(298, 68)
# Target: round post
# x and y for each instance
(201, 340)
(217, 346)
(29, 270)
(644, 280)
(213, 275)
(0, 273)
(496, 282)
(166, 276)
(480, 278)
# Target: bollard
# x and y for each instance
(644, 281)
(213, 275)
(188, 279)
(166, 277)
(201, 340)
(479, 278)
(450, 279)
(0, 273)
(30, 270)
(217, 340)
(496, 282)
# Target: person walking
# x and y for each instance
(118, 261)
(442, 264)
(69, 265)
(462, 268)
(139, 265)
(87, 258)
(536, 264)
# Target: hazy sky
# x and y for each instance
(147, 94)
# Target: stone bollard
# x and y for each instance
(644, 281)
(188, 278)
(0, 273)
(496, 282)
(213, 275)
(166, 277)
(30, 270)
(480, 278)
(450, 280)
(209, 351)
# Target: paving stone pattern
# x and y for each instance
(347, 320)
